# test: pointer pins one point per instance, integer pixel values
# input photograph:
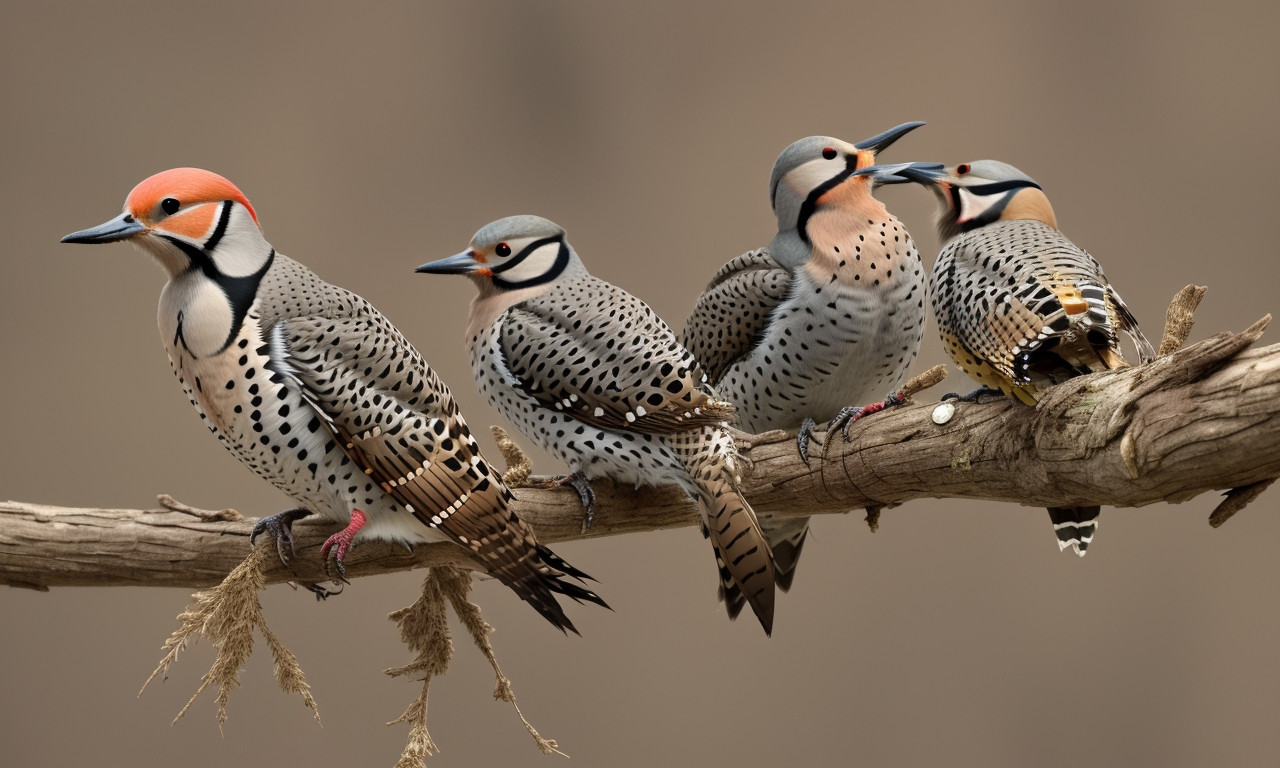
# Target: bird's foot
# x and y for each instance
(321, 592)
(974, 396)
(342, 541)
(586, 494)
(803, 437)
(280, 526)
(844, 419)
(849, 414)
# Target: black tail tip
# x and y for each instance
(538, 586)
(1075, 527)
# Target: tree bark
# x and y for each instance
(1203, 418)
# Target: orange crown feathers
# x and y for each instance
(187, 185)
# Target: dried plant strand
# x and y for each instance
(227, 615)
(456, 585)
(519, 466)
(424, 628)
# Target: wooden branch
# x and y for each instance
(1203, 418)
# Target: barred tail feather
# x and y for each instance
(1075, 526)
(742, 552)
(786, 539)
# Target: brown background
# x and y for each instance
(373, 140)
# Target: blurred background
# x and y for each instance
(373, 138)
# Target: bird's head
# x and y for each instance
(510, 254)
(187, 217)
(815, 170)
(978, 193)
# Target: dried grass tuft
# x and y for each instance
(227, 615)
(519, 465)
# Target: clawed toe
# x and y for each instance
(586, 495)
(340, 543)
(844, 419)
(851, 413)
(803, 437)
(280, 526)
(974, 396)
(321, 592)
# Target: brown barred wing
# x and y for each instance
(396, 420)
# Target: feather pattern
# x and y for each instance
(1021, 307)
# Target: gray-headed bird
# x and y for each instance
(825, 320)
(1019, 306)
(592, 375)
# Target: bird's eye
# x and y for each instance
(170, 205)
(503, 249)
(962, 169)
(829, 153)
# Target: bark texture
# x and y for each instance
(1202, 418)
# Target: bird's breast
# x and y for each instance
(862, 252)
(195, 315)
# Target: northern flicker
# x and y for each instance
(824, 320)
(1019, 306)
(592, 375)
(319, 394)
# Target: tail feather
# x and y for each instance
(742, 552)
(786, 537)
(743, 556)
(536, 577)
(1075, 526)
(1129, 324)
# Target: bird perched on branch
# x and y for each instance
(314, 390)
(590, 373)
(1019, 306)
(824, 320)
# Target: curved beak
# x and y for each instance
(899, 173)
(459, 264)
(121, 227)
(881, 142)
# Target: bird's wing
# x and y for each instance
(733, 311)
(603, 356)
(1129, 324)
(1031, 310)
(398, 422)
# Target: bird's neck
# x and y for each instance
(487, 307)
(1029, 203)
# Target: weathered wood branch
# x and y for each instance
(1203, 418)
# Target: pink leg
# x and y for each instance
(847, 416)
(343, 541)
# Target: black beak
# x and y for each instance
(881, 142)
